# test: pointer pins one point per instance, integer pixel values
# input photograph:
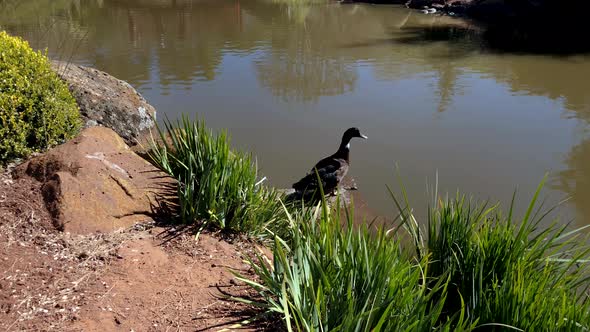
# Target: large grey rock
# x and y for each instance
(107, 101)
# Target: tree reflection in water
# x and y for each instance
(301, 53)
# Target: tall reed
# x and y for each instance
(333, 276)
(473, 268)
(505, 271)
(217, 186)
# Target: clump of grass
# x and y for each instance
(333, 276)
(217, 186)
(473, 268)
(505, 272)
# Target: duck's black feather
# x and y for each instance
(330, 170)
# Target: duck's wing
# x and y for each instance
(330, 171)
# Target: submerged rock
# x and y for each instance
(96, 183)
(343, 192)
(107, 101)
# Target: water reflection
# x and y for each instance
(430, 90)
(307, 51)
(301, 65)
(564, 79)
(575, 180)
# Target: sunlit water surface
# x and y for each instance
(287, 80)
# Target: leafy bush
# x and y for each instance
(216, 184)
(36, 109)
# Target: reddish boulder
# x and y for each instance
(96, 183)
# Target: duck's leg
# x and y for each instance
(348, 183)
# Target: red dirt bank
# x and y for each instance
(143, 278)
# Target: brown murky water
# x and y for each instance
(286, 80)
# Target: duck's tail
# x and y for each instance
(306, 183)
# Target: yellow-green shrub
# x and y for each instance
(36, 107)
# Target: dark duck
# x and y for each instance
(331, 170)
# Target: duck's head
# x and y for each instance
(349, 134)
(352, 133)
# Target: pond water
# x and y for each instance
(286, 80)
